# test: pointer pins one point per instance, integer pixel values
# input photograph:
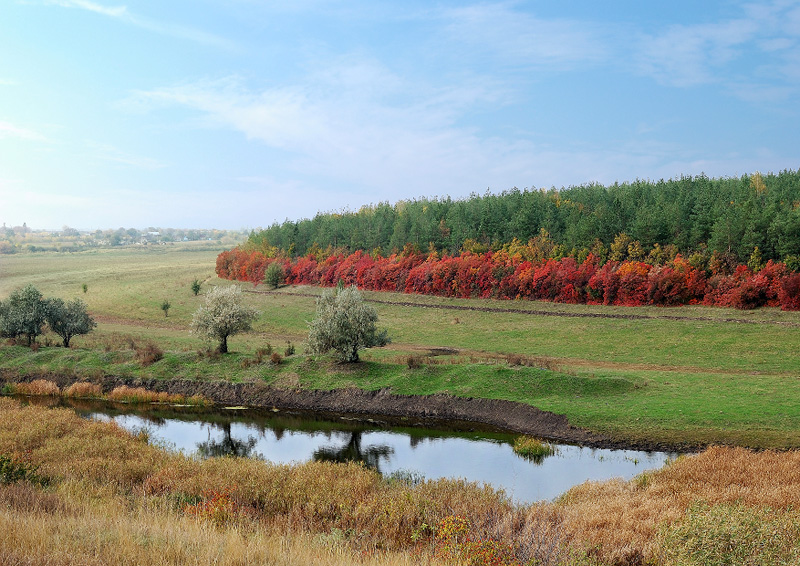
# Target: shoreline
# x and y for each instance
(508, 416)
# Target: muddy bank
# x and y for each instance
(506, 415)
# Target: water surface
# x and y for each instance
(451, 450)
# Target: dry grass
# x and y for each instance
(125, 394)
(84, 390)
(39, 387)
(124, 498)
(623, 518)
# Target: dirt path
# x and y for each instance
(535, 312)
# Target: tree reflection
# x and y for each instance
(227, 446)
(352, 451)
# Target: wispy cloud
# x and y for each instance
(122, 14)
(10, 130)
(691, 55)
(516, 37)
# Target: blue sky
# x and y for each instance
(240, 113)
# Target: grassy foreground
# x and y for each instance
(682, 376)
(74, 491)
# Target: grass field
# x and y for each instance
(682, 375)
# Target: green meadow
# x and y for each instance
(684, 375)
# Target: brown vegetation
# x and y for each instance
(614, 522)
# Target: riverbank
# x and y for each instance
(415, 410)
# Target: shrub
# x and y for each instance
(274, 275)
(196, 287)
(15, 470)
(165, 306)
(289, 351)
(276, 358)
(414, 362)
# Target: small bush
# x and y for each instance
(289, 351)
(84, 390)
(414, 362)
(276, 358)
(196, 287)
(148, 354)
(14, 470)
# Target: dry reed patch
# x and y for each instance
(84, 390)
(42, 387)
(621, 519)
(125, 394)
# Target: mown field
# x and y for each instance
(684, 375)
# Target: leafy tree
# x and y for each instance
(196, 287)
(23, 314)
(223, 315)
(344, 324)
(274, 275)
(68, 319)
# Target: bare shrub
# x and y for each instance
(414, 362)
(276, 358)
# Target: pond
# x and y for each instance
(430, 450)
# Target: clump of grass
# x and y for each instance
(533, 448)
(38, 387)
(84, 390)
(414, 362)
(262, 353)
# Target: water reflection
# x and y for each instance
(352, 451)
(227, 445)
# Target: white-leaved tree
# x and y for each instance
(344, 324)
(223, 315)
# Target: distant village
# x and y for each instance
(17, 239)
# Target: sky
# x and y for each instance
(237, 114)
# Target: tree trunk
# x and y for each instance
(223, 345)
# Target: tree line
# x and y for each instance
(731, 217)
